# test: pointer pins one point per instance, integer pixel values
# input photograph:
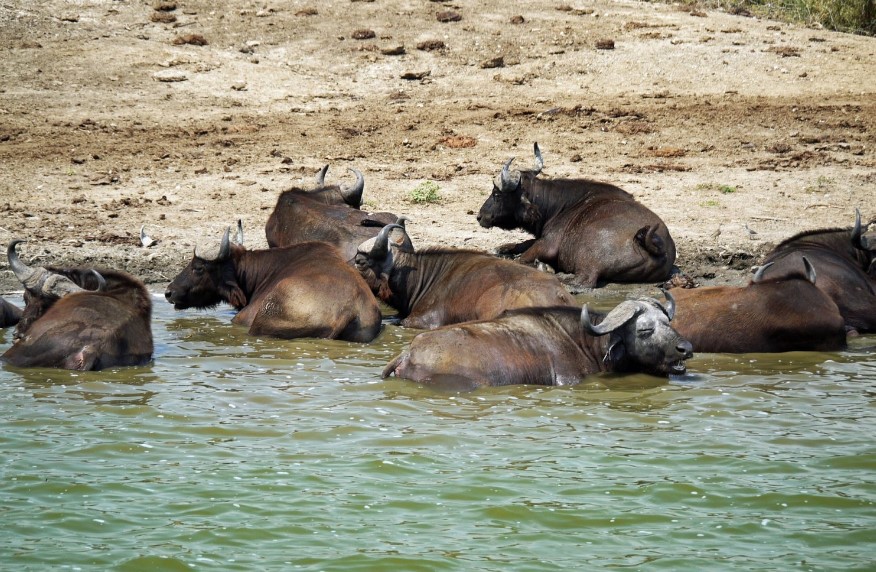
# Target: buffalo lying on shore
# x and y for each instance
(774, 313)
(546, 346)
(79, 318)
(328, 214)
(844, 261)
(596, 231)
(438, 286)
(301, 291)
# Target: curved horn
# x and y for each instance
(810, 270)
(670, 305)
(539, 162)
(758, 276)
(101, 281)
(224, 248)
(507, 181)
(23, 272)
(381, 243)
(620, 315)
(353, 193)
(858, 231)
(238, 236)
(401, 221)
(320, 177)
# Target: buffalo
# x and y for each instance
(10, 314)
(844, 260)
(301, 291)
(79, 318)
(547, 346)
(439, 286)
(780, 313)
(328, 214)
(594, 230)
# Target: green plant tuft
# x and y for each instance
(425, 192)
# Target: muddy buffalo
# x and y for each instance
(79, 318)
(328, 214)
(10, 314)
(438, 286)
(302, 291)
(844, 261)
(778, 312)
(547, 346)
(596, 231)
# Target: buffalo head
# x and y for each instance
(641, 338)
(43, 283)
(351, 194)
(207, 280)
(507, 206)
(375, 257)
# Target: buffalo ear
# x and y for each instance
(528, 214)
(648, 239)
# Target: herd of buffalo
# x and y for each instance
(489, 320)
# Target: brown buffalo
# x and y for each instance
(596, 231)
(546, 346)
(302, 291)
(78, 318)
(844, 260)
(327, 214)
(439, 286)
(10, 314)
(774, 313)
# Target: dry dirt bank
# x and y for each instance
(113, 116)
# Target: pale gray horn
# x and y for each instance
(857, 232)
(620, 315)
(539, 162)
(23, 272)
(758, 275)
(320, 177)
(670, 305)
(810, 270)
(353, 193)
(224, 248)
(507, 181)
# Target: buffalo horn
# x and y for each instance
(101, 281)
(857, 232)
(670, 305)
(381, 243)
(39, 279)
(507, 181)
(353, 193)
(24, 273)
(758, 276)
(620, 315)
(320, 177)
(539, 162)
(224, 249)
(810, 270)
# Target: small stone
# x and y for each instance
(448, 16)
(497, 62)
(169, 76)
(363, 34)
(393, 51)
(605, 44)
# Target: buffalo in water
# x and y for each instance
(10, 314)
(779, 313)
(79, 318)
(547, 346)
(327, 214)
(301, 291)
(438, 286)
(844, 260)
(596, 231)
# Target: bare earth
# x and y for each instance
(112, 116)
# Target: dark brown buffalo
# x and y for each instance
(10, 314)
(596, 231)
(774, 313)
(435, 287)
(546, 346)
(302, 291)
(844, 261)
(78, 318)
(327, 214)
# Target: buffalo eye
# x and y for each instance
(198, 269)
(645, 331)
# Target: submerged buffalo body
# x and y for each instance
(772, 314)
(594, 230)
(435, 287)
(546, 346)
(327, 214)
(304, 290)
(844, 261)
(77, 318)
(10, 314)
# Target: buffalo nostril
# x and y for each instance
(685, 348)
(168, 294)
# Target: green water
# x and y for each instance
(239, 453)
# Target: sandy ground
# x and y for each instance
(185, 116)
